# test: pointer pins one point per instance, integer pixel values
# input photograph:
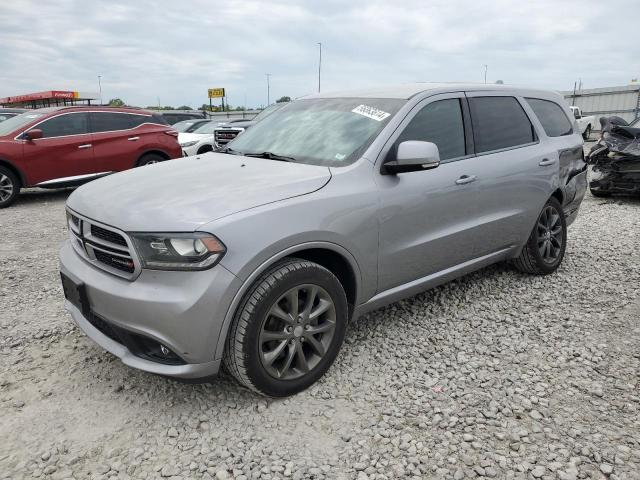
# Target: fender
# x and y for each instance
(222, 336)
(11, 166)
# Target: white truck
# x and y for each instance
(585, 124)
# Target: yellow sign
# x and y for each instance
(216, 92)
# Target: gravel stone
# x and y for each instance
(497, 374)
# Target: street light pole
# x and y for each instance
(268, 89)
(486, 67)
(319, 65)
(100, 87)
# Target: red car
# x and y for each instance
(67, 146)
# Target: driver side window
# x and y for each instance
(63, 125)
(441, 123)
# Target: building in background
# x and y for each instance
(623, 102)
(50, 98)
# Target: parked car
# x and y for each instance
(175, 116)
(7, 113)
(187, 126)
(585, 123)
(66, 146)
(258, 256)
(230, 130)
(615, 158)
(199, 141)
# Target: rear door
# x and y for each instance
(515, 170)
(63, 154)
(427, 218)
(118, 139)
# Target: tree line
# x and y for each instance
(118, 102)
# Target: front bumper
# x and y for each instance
(182, 310)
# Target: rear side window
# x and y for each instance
(441, 123)
(112, 121)
(551, 116)
(499, 122)
(63, 125)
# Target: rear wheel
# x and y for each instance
(149, 159)
(9, 187)
(288, 330)
(544, 250)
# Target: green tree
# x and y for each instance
(184, 107)
(116, 102)
(283, 99)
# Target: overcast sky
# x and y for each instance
(175, 50)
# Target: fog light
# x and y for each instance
(165, 351)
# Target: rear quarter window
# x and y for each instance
(553, 119)
(498, 123)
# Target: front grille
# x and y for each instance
(103, 246)
(222, 137)
(108, 235)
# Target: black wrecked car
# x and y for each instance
(615, 158)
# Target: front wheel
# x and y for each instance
(288, 329)
(587, 133)
(544, 250)
(9, 187)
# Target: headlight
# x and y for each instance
(178, 251)
(188, 144)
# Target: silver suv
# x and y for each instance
(257, 257)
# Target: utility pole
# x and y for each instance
(319, 65)
(268, 89)
(100, 88)
(486, 67)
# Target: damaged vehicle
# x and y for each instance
(615, 159)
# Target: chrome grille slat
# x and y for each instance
(104, 247)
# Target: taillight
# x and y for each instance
(173, 133)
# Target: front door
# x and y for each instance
(63, 154)
(428, 218)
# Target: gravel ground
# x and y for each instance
(497, 375)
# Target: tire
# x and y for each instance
(544, 250)
(9, 187)
(267, 353)
(205, 149)
(599, 193)
(149, 159)
(587, 133)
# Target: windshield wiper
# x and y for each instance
(270, 156)
(230, 151)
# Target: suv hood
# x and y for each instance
(182, 195)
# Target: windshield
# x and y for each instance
(268, 111)
(208, 128)
(324, 131)
(183, 126)
(18, 121)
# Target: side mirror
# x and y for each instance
(413, 156)
(33, 134)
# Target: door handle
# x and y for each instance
(88, 145)
(464, 179)
(547, 161)
(133, 139)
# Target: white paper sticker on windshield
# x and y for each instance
(371, 112)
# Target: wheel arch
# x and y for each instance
(162, 153)
(333, 257)
(207, 147)
(15, 170)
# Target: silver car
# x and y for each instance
(256, 257)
